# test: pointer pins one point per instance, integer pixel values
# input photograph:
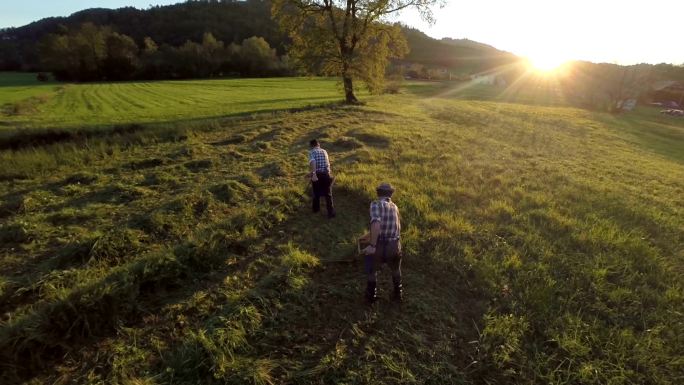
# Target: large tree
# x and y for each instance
(347, 38)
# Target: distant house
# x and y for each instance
(627, 104)
(667, 92)
(409, 69)
(420, 71)
(441, 73)
(412, 67)
(488, 79)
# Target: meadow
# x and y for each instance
(543, 244)
(16, 87)
(30, 105)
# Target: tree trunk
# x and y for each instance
(349, 96)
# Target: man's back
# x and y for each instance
(320, 157)
(386, 212)
(385, 245)
(322, 180)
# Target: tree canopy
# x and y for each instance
(346, 38)
(228, 21)
(91, 52)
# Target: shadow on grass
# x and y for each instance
(337, 121)
(333, 293)
(285, 100)
(93, 313)
(110, 194)
(662, 135)
(343, 322)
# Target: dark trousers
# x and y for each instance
(388, 252)
(323, 188)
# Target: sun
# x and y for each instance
(546, 63)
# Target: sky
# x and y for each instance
(613, 31)
(15, 13)
(546, 31)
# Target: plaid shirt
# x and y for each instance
(320, 156)
(386, 212)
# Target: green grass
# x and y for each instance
(531, 91)
(16, 87)
(86, 105)
(21, 79)
(543, 245)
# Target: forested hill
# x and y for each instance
(230, 21)
(462, 55)
(227, 21)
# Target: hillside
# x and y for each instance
(542, 245)
(461, 55)
(228, 21)
(172, 24)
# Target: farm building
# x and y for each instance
(627, 104)
(419, 71)
(489, 79)
(667, 91)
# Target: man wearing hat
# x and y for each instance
(321, 179)
(385, 247)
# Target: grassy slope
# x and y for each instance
(543, 245)
(84, 105)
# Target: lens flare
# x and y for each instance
(545, 63)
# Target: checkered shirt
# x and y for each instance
(386, 212)
(320, 156)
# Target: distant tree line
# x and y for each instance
(230, 21)
(606, 86)
(171, 42)
(92, 53)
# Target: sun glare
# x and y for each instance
(545, 64)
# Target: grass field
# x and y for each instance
(16, 87)
(86, 105)
(542, 245)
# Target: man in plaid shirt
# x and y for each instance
(385, 245)
(321, 178)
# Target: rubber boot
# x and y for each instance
(398, 294)
(371, 292)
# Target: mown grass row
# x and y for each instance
(543, 245)
(77, 106)
(226, 214)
